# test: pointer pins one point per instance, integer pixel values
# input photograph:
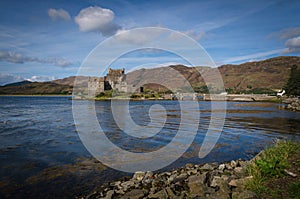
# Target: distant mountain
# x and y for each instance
(36, 88)
(81, 80)
(19, 83)
(271, 74)
(268, 74)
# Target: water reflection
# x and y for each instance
(41, 153)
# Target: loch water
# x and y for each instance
(42, 155)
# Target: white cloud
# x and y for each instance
(251, 57)
(289, 33)
(8, 78)
(156, 65)
(14, 57)
(195, 35)
(138, 36)
(40, 78)
(97, 19)
(292, 45)
(56, 14)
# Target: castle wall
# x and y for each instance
(115, 79)
(95, 86)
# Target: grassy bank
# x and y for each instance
(276, 171)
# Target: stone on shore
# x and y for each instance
(210, 180)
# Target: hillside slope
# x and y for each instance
(36, 88)
(270, 74)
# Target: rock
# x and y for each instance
(158, 183)
(245, 194)
(214, 181)
(117, 183)
(196, 184)
(214, 165)
(171, 179)
(120, 191)
(192, 172)
(233, 183)
(243, 164)
(221, 186)
(170, 193)
(238, 169)
(180, 178)
(228, 166)
(168, 173)
(239, 182)
(221, 167)
(189, 166)
(139, 175)
(127, 185)
(149, 174)
(233, 164)
(153, 190)
(224, 177)
(161, 195)
(134, 194)
(207, 167)
(109, 194)
(148, 178)
(290, 173)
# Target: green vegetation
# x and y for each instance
(271, 165)
(251, 90)
(105, 95)
(145, 95)
(201, 89)
(294, 189)
(293, 85)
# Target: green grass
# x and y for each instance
(270, 164)
(294, 190)
(298, 162)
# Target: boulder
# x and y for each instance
(233, 163)
(239, 182)
(238, 170)
(207, 167)
(196, 184)
(221, 167)
(180, 178)
(134, 194)
(245, 194)
(139, 175)
(127, 185)
(109, 194)
(162, 194)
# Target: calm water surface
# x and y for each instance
(41, 154)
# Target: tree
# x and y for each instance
(293, 85)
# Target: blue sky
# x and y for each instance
(44, 40)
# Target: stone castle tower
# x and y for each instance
(115, 79)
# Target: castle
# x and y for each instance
(115, 79)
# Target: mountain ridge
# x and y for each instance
(271, 73)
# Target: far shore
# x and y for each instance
(229, 97)
(35, 95)
(207, 97)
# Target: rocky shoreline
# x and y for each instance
(293, 104)
(211, 180)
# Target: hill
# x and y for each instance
(247, 77)
(19, 83)
(267, 74)
(34, 88)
